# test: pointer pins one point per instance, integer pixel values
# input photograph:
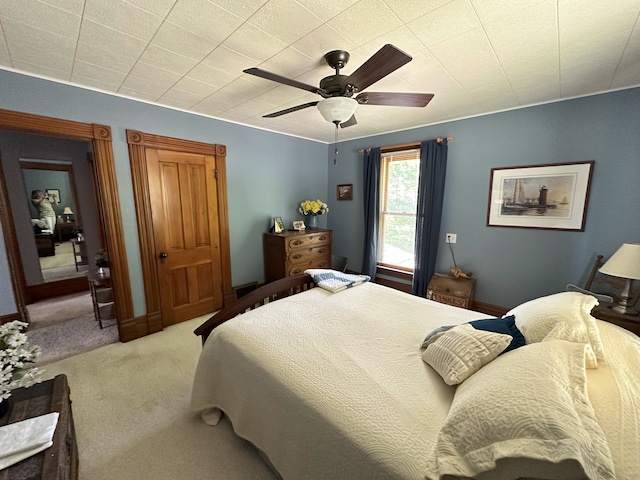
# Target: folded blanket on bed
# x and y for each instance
(335, 281)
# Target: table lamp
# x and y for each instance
(625, 263)
(67, 211)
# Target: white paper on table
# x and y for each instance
(23, 439)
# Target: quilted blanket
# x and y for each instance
(334, 386)
(335, 281)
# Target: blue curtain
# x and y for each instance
(433, 169)
(371, 184)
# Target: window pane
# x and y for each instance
(398, 240)
(402, 186)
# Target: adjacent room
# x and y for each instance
(441, 196)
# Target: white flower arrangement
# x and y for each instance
(16, 359)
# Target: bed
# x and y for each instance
(337, 385)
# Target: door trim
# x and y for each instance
(109, 204)
(138, 142)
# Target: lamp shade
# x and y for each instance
(625, 263)
(337, 109)
(67, 211)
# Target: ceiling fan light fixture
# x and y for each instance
(337, 109)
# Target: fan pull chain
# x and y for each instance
(335, 145)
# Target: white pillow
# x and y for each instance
(527, 411)
(458, 353)
(561, 316)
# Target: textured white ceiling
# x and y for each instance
(476, 56)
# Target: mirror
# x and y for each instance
(55, 218)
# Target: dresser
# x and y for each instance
(292, 252)
(60, 461)
(456, 291)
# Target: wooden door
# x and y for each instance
(184, 210)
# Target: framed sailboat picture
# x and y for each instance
(552, 196)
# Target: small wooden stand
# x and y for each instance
(456, 291)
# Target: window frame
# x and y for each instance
(387, 157)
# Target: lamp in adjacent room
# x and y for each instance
(67, 211)
(625, 263)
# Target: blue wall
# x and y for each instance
(512, 265)
(268, 174)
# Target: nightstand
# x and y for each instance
(456, 291)
(605, 312)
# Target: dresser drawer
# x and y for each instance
(299, 268)
(308, 254)
(307, 241)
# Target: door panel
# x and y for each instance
(184, 205)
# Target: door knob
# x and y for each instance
(163, 255)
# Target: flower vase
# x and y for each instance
(313, 222)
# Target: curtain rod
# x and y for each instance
(405, 146)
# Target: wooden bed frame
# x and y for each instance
(269, 292)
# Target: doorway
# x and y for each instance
(53, 202)
(99, 138)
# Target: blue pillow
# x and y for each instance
(505, 325)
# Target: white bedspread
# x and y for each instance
(277, 380)
(332, 386)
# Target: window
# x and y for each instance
(399, 174)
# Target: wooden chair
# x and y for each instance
(603, 287)
(339, 263)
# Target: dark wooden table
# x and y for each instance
(60, 461)
(605, 312)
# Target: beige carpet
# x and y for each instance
(132, 417)
(61, 265)
(72, 337)
(59, 309)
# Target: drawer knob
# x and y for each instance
(297, 242)
(296, 256)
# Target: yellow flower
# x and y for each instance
(313, 207)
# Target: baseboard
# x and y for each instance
(35, 293)
(489, 309)
(10, 318)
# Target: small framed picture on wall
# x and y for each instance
(345, 192)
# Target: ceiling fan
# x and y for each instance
(337, 90)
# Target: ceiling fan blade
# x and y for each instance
(381, 64)
(395, 99)
(289, 110)
(280, 79)
(351, 121)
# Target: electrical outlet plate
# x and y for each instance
(451, 238)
